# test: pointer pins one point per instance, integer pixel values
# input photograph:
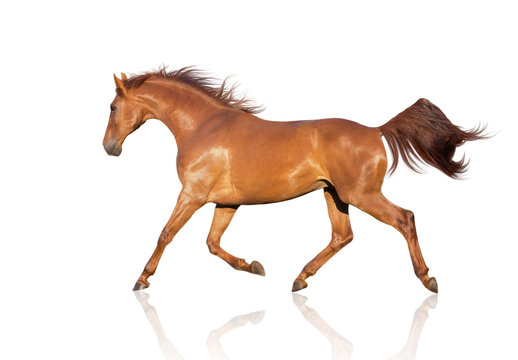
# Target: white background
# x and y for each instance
(77, 226)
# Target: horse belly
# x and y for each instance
(271, 164)
(270, 182)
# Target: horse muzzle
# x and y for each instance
(113, 148)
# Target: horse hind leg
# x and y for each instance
(403, 220)
(222, 217)
(341, 236)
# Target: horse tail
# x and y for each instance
(422, 133)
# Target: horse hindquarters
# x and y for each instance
(363, 165)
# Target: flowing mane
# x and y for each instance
(199, 80)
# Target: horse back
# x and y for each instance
(250, 161)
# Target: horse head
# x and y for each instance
(127, 114)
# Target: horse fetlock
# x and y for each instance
(239, 264)
(149, 270)
(421, 271)
(308, 270)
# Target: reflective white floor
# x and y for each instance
(176, 323)
(341, 348)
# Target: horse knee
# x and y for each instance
(339, 240)
(213, 246)
(164, 238)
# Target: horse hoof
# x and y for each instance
(299, 285)
(432, 285)
(257, 268)
(140, 286)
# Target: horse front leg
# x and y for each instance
(222, 217)
(185, 207)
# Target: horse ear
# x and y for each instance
(119, 84)
(123, 76)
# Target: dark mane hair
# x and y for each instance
(199, 80)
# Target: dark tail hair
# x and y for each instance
(422, 133)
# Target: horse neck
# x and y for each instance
(181, 108)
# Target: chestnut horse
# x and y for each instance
(229, 156)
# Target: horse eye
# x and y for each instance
(113, 108)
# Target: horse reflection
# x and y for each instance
(421, 314)
(165, 344)
(213, 340)
(341, 348)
